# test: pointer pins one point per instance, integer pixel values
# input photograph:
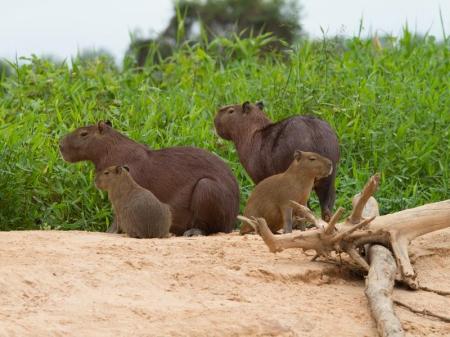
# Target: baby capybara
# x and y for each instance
(138, 212)
(265, 148)
(199, 187)
(271, 197)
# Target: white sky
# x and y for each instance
(62, 27)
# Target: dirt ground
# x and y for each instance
(55, 283)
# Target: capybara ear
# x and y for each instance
(260, 105)
(297, 155)
(246, 107)
(125, 167)
(101, 126)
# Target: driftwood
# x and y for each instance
(394, 231)
(379, 286)
(365, 231)
(380, 280)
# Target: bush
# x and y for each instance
(390, 107)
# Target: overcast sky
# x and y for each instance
(61, 27)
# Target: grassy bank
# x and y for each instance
(389, 106)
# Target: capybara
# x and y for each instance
(271, 197)
(199, 187)
(137, 211)
(265, 148)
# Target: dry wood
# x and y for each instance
(379, 286)
(360, 201)
(364, 228)
(380, 280)
(393, 230)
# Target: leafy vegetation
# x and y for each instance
(390, 106)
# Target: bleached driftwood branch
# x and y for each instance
(379, 287)
(378, 235)
(394, 231)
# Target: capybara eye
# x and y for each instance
(230, 111)
(106, 173)
(83, 133)
(312, 158)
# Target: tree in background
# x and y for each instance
(194, 20)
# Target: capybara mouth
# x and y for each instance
(98, 184)
(327, 173)
(324, 175)
(331, 170)
(65, 155)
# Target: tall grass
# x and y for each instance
(389, 106)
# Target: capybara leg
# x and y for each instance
(327, 195)
(214, 208)
(298, 222)
(287, 218)
(245, 229)
(114, 228)
(194, 232)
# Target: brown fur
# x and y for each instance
(265, 148)
(138, 212)
(270, 198)
(198, 186)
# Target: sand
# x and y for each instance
(55, 283)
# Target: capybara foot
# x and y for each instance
(113, 228)
(246, 229)
(326, 215)
(194, 232)
(300, 223)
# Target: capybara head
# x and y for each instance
(312, 164)
(86, 143)
(233, 119)
(110, 176)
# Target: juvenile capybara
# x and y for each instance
(199, 187)
(271, 197)
(138, 212)
(265, 148)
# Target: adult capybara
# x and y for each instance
(137, 211)
(198, 186)
(265, 148)
(271, 197)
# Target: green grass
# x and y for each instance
(390, 108)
